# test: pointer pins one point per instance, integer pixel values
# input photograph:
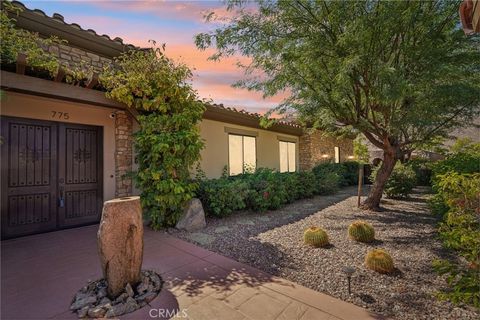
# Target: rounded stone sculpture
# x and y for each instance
(120, 243)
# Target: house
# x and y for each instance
(67, 148)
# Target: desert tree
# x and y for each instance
(399, 72)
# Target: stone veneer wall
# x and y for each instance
(72, 56)
(123, 153)
(312, 146)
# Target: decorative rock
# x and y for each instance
(82, 313)
(116, 310)
(80, 303)
(120, 243)
(193, 217)
(128, 301)
(102, 292)
(131, 305)
(129, 290)
(97, 312)
(147, 297)
(122, 297)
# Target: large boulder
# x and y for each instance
(120, 243)
(193, 217)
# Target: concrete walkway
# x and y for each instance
(40, 274)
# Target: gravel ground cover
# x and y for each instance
(273, 242)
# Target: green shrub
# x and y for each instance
(460, 231)
(266, 190)
(220, 197)
(329, 177)
(400, 183)
(422, 169)
(464, 162)
(350, 173)
(306, 184)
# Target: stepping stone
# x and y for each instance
(221, 229)
(202, 238)
(246, 222)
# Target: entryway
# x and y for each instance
(51, 175)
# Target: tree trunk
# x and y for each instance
(373, 200)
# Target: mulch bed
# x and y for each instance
(273, 242)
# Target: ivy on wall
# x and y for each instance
(168, 143)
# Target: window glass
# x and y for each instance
(287, 156)
(235, 154)
(283, 156)
(292, 165)
(249, 154)
(241, 154)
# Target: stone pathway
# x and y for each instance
(41, 273)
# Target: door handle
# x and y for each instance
(61, 202)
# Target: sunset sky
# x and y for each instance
(172, 22)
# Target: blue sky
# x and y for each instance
(172, 22)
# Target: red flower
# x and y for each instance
(266, 195)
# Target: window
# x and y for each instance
(337, 155)
(287, 157)
(241, 153)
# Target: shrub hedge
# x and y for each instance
(456, 182)
(267, 189)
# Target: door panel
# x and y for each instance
(51, 176)
(29, 162)
(80, 174)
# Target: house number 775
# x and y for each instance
(60, 115)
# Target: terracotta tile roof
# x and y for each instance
(29, 19)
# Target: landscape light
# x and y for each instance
(349, 271)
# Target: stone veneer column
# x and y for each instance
(123, 153)
(313, 145)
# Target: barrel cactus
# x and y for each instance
(361, 231)
(316, 237)
(379, 260)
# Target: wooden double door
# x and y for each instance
(51, 175)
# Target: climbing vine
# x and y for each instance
(168, 143)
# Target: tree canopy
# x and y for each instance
(400, 72)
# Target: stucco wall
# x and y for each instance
(215, 154)
(33, 107)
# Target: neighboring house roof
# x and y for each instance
(37, 21)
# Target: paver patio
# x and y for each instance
(41, 273)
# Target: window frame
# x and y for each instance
(288, 157)
(243, 151)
